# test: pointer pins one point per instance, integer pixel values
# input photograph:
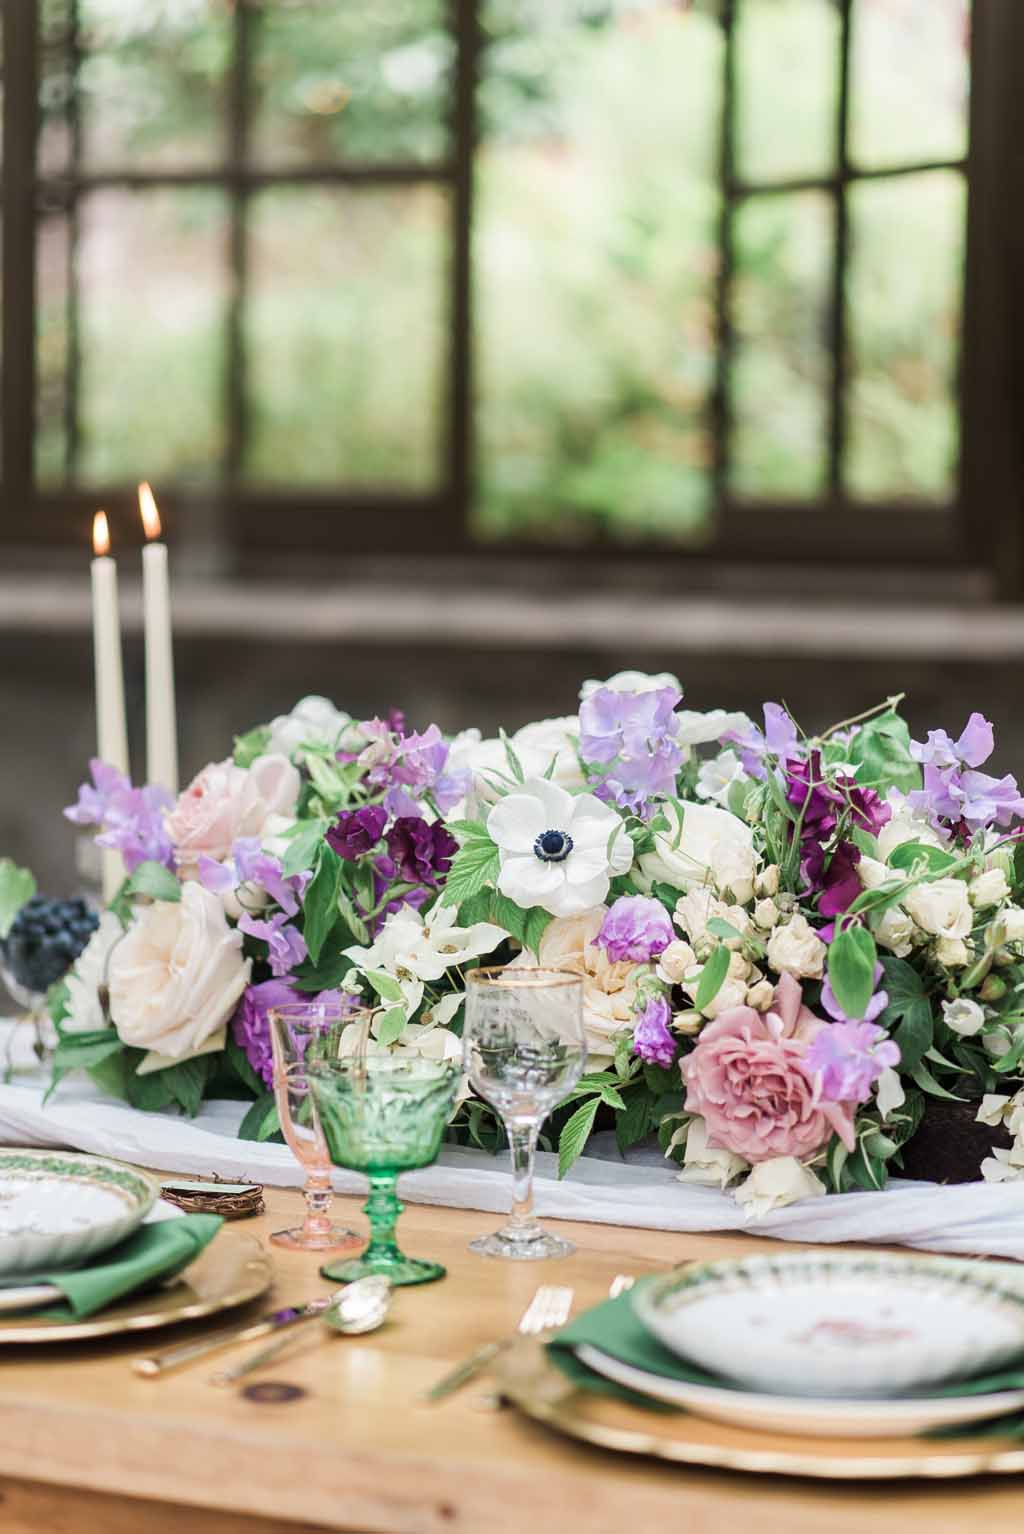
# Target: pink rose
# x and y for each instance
(225, 802)
(744, 1078)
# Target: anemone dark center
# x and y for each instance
(553, 846)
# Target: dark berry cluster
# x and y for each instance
(45, 939)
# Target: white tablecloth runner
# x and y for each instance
(642, 1191)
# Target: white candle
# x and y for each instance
(111, 723)
(161, 717)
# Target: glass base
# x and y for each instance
(398, 1268)
(533, 1248)
(336, 1238)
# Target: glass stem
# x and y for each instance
(382, 1209)
(523, 1144)
(317, 1193)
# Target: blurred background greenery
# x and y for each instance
(596, 246)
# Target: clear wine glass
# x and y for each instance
(294, 1030)
(524, 1050)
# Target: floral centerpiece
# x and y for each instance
(788, 944)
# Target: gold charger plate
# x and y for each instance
(232, 1270)
(528, 1379)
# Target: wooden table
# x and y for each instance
(87, 1446)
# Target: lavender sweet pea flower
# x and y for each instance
(953, 788)
(286, 947)
(93, 798)
(131, 820)
(254, 866)
(637, 928)
(844, 1060)
(635, 735)
(779, 739)
(356, 832)
(250, 1026)
(975, 745)
(652, 1040)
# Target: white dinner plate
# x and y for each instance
(60, 1207)
(15, 1296)
(818, 1417)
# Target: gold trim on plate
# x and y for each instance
(232, 1270)
(528, 1379)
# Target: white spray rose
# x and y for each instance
(896, 931)
(675, 962)
(766, 914)
(964, 1016)
(694, 910)
(872, 873)
(767, 881)
(941, 908)
(774, 1184)
(1011, 921)
(953, 952)
(796, 949)
(761, 996)
(733, 990)
(710, 846)
(988, 889)
(905, 826)
(704, 1165)
(313, 721)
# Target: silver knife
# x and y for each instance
(276, 1320)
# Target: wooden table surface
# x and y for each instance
(85, 1445)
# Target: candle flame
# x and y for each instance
(150, 515)
(100, 534)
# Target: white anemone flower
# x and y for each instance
(558, 850)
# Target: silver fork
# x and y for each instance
(548, 1309)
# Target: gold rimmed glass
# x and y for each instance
(296, 1033)
(524, 1051)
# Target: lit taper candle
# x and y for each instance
(111, 723)
(161, 716)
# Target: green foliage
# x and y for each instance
(154, 881)
(473, 867)
(239, 1063)
(908, 1015)
(881, 750)
(333, 965)
(261, 1121)
(527, 927)
(302, 847)
(712, 977)
(910, 855)
(636, 1120)
(852, 957)
(251, 745)
(17, 887)
(575, 1133)
(320, 904)
(391, 1026)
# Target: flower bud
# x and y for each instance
(688, 1022)
(994, 989)
(761, 995)
(766, 914)
(767, 881)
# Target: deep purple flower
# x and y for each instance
(286, 947)
(635, 927)
(819, 802)
(634, 737)
(835, 875)
(652, 1040)
(356, 832)
(131, 820)
(421, 853)
(250, 1026)
(844, 1060)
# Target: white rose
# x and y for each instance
(761, 996)
(941, 908)
(312, 722)
(552, 740)
(609, 989)
(767, 881)
(632, 681)
(688, 1022)
(896, 931)
(705, 1166)
(1011, 920)
(695, 910)
(953, 952)
(711, 844)
(964, 1016)
(774, 1184)
(872, 873)
(85, 1013)
(766, 914)
(700, 729)
(176, 978)
(796, 949)
(675, 962)
(988, 889)
(905, 826)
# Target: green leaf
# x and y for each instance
(386, 986)
(926, 1081)
(712, 978)
(239, 1063)
(511, 756)
(852, 957)
(332, 966)
(908, 1016)
(320, 902)
(575, 1133)
(835, 1162)
(77, 1052)
(474, 866)
(636, 1119)
(467, 830)
(881, 751)
(356, 925)
(17, 887)
(302, 848)
(251, 745)
(612, 1098)
(154, 880)
(1011, 1060)
(187, 1082)
(908, 854)
(261, 1121)
(150, 1093)
(391, 1026)
(722, 928)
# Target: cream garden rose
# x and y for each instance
(176, 977)
(710, 846)
(941, 908)
(796, 949)
(225, 802)
(609, 989)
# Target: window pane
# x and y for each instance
(344, 81)
(787, 73)
(779, 386)
(595, 261)
(153, 81)
(910, 79)
(51, 348)
(905, 328)
(347, 336)
(153, 291)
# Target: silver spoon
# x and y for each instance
(359, 1307)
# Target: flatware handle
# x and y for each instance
(172, 1358)
(467, 1370)
(254, 1361)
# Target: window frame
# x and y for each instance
(980, 528)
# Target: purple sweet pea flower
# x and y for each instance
(975, 745)
(131, 820)
(356, 832)
(845, 1060)
(652, 1040)
(634, 735)
(420, 852)
(286, 947)
(954, 790)
(93, 798)
(250, 1026)
(635, 927)
(779, 739)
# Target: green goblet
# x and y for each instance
(382, 1115)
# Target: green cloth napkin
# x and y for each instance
(153, 1253)
(614, 1329)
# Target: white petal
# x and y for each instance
(575, 899)
(516, 822)
(558, 803)
(530, 882)
(584, 864)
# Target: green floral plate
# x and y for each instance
(59, 1208)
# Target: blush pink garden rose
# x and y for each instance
(744, 1079)
(225, 802)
